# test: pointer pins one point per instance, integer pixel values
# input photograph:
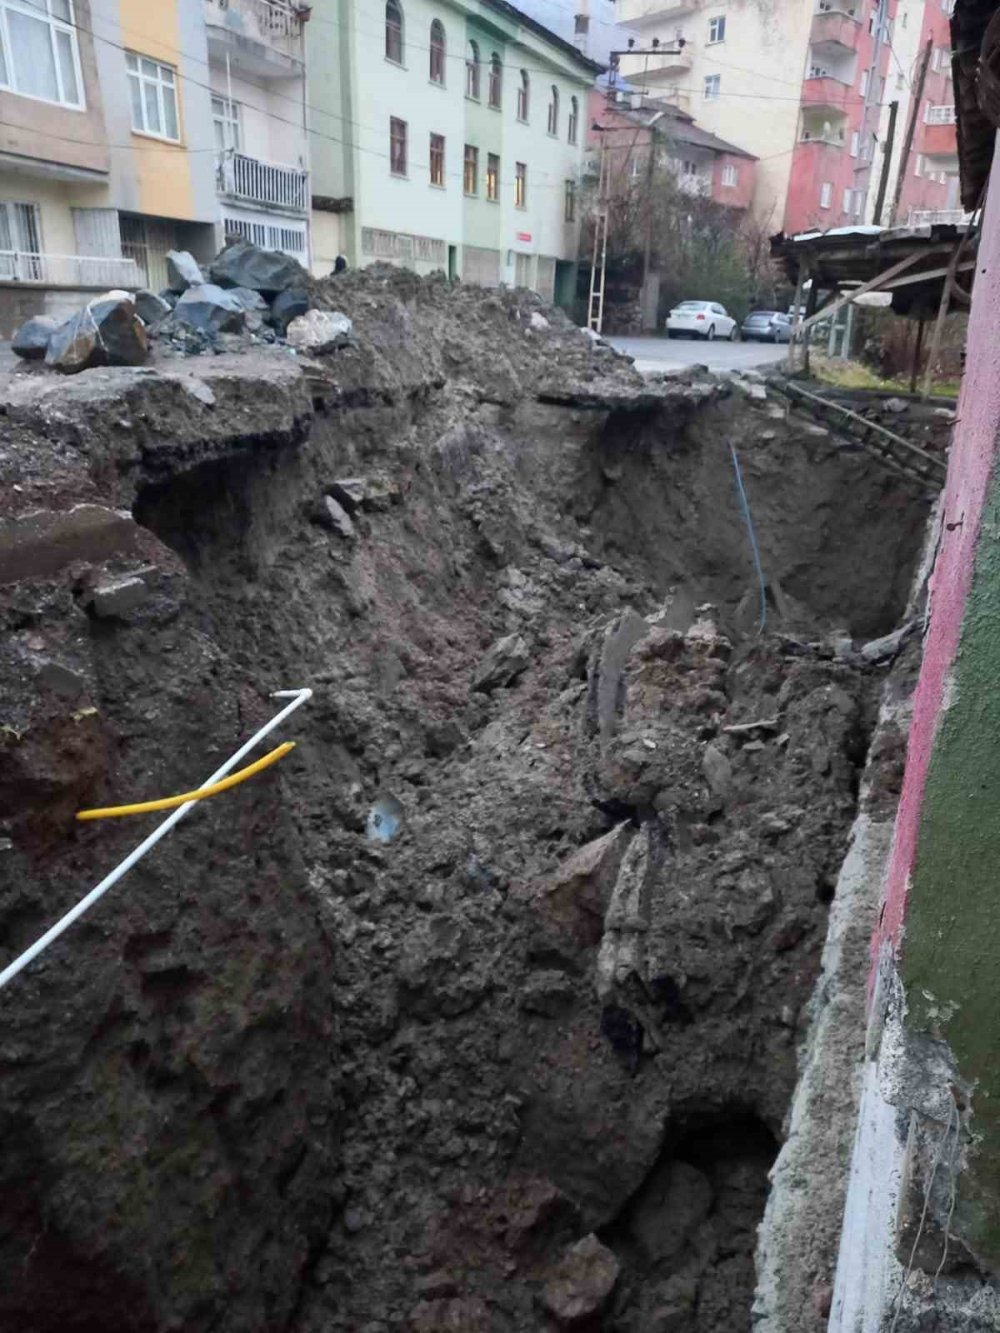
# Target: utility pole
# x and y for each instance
(911, 128)
(890, 136)
(871, 98)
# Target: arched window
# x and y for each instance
(574, 119)
(437, 51)
(496, 81)
(554, 111)
(472, 71)
(394, 31)
(523, 90)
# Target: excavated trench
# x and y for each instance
(297, 1077)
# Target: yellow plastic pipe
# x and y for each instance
(171, 802)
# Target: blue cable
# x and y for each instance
(745, 506)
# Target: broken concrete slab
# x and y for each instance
(103, 333)
(350, 492)
(244, 265)
(183, 271)
(502, 665)
(332, 516)
(578, 894)
(32, 339)
(41, 543)
(607, 675)
(319, 331)
(209, 309)
(888, 647)
(112, 600)
(581, 1284)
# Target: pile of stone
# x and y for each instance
(249, 296)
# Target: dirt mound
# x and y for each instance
(295, 1076)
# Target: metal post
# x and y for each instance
(917, 348)
(796, 317)
(890, 138)
(911, 128)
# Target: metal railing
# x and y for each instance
(266, 21)
(69, 270)
(929, 217)
(940, 115)
(260, 182)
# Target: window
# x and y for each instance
(397, 146)
(470, 173)
(900, 82)
(713, 83)
(717, 29)
(472, 71)
(941, 59)
(20, 242)
(154, 97)
(394, 31)
(437, 51)
(574, 120)
(847, 200)
(437, 159)
(570, 209)
(492, 178)
(863, 85)
(520, 185)
(38, 55)
(730, 176)
(689, 168)
(635, 168)
(496, 81)
(226, 122)
(523, 90)
(855, 142)
(826, 194)
(554, 111)
(939, 115)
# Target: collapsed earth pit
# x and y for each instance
(291, 1077)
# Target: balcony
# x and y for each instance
(822, 92)
(930, 217)
(650, 11)
(672, 65)
(266, 184)
(262, 36)
(938, 140)
(834, 32)
(103, 273)
(830, 129)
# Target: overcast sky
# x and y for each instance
(558, 15)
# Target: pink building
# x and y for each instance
(930, 188)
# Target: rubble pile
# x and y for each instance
(480, 1011)
(248, 297)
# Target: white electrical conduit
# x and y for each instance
(297, 697)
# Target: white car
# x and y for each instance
(701, 319)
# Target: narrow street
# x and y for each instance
(655, 355)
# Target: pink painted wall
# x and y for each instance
(918, 191)
(969, 469)
(740, 194)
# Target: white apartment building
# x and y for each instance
(128, 129)
(447, 134)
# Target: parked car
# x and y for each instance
(701, 319)
(770, 326)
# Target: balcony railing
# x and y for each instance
(940, 115)
(69, 270)
(259, 182)
(270, 22)
(931, 217)
(834, 31)
(824, 134)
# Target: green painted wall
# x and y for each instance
(951, 947)
(484, 126)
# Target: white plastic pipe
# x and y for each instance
(297, 697)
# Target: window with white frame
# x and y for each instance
(940, 59)
(635, 168)
(553, 121)
(863, 85)
(848, 198)
(437, 159)
(689, 168)
(397, 146)
(569, 211)
(713, 84)
(523, 92)
(717, 28)
(855, 143)
(394, 31)
(153, 91)
(438, 51)
(472, 68)
(226, 124)
(520, 185)
(826, 194)
(20, 242)
(493, 178)
(574, 120)
(38, 51)
(939, 115)
(730, 176)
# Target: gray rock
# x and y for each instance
(718, 771)
(671, 1206)
(896, 405)
(350, 491)
(548, 993)
(335, 518)
(183, 271)
(110, 600)
(170, 297)
(319, 331)
(209, 309)
(288, 305)
(104, 333)
(244, 265)
(248, 298)
(888, 647)
(199, 390)
(61, 680)
(31, 341)
(502, 664)
(581, 1283)
(151, 308)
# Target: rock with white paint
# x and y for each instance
(319, 331)
(103, 333)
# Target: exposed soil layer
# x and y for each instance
(289, 1076)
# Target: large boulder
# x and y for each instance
(244, 265)
(183, 271)
(33, 337)
(151, 308)
(208, 309)
(288, 305)
(106, 332)
(319, 331)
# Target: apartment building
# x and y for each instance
(805, 86)
(128, 129)
(447, 134)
